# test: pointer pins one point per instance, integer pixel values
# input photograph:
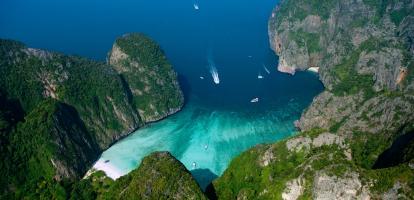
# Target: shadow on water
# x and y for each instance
(211, 192)
(204, 177)
(185, 87)
(401, 150)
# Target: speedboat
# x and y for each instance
(196, 6)
(202, 77)
(255, 100)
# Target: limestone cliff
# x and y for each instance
(58, 112)
(93, 88)
(364, 51)
(153, 84)
(160, 176)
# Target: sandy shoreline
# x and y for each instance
(109, 169)
(314, 69)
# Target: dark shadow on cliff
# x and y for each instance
(204, 177)
(127, 90)
(12, 109)
(211, 192)
(74, 136)
(401, 150)
(185, 87)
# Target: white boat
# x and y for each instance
(202, 77)
(196, 6)
(260, 76)
(255, 100)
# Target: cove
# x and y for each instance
(214, 127)
(218, 121)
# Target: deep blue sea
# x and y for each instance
(218, 121)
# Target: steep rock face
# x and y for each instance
(152, 81)
(312, 165)
(323, 34)
(57, 112)
(50, 144)
(364, 51)
(160, 176)
(93, 88)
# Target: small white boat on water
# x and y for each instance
(260, 76)
(196, 7)
(202, 77)
(255, 100)
(194, 165)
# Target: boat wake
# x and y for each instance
(213, 71)
(265, 68)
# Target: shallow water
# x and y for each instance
(226, 37)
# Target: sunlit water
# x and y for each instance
(224, 42)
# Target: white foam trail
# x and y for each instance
(213, 71)
(264, 66)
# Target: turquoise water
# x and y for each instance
(218, 121)
(214, 127)
(207, 136)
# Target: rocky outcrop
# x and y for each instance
(94, 104)
(50, 144)
(152, 81)
(365, 56)
(332, 187)
(309, 35)
(94, 89)
(364, 51)
(293, 190)
(160, 176)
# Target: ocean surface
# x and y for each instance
(224, 42)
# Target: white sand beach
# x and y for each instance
(314, 69)
(109, 169)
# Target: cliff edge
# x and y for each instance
(356, 139)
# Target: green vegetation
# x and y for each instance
(310, 41)
(298, 10)
(90, 87)
(334, 128)
(349, 80)
(58, 112)
(366, 147)
(360, 22)
(246, 177)
(159, 90)
(386, 178)
(160, 176)
(36, 144)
